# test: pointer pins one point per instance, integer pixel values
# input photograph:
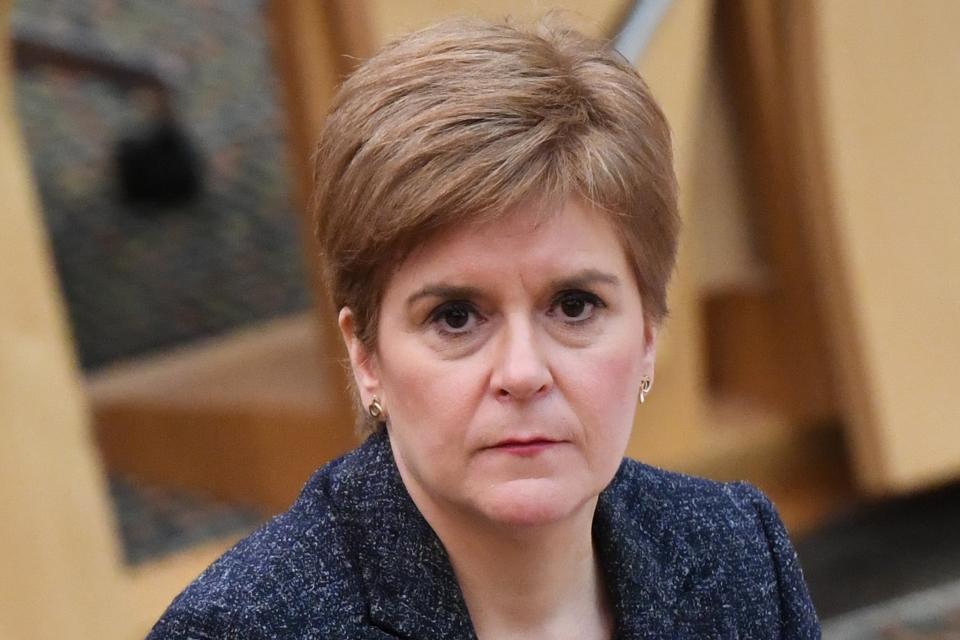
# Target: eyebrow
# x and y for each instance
(585, 278)
(448, 292)
(579, 280)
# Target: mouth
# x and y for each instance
(525, 447)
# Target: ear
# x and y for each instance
(649, 355)
(362, 361)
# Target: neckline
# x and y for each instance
(410, 584)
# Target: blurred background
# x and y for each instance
(169, 371)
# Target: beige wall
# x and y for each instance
(60, 575)
(392, 18)
(889, 81)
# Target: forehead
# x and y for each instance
(528, 242)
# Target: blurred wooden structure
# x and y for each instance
(245, 417)
(852, 199)
(59, 552)
(881, 87)
(814, 315)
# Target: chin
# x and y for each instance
(533, 502)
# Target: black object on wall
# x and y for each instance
(160, 167)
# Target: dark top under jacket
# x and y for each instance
(682, 557)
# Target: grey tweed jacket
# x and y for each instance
(683, 557)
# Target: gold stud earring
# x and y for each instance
(645, 385)
(375, 408)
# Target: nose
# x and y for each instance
(521, 370)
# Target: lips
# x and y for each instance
(526, 446)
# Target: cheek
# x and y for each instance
(604, 391)
(430, 399)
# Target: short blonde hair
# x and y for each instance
(462, 122)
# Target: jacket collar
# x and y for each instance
(411, 587)
(645, 562)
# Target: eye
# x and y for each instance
(575, 307)
(454, 318)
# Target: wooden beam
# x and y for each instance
(315, 44)
(62, 575)
(752, 49)
(245, 417)
(878, 89)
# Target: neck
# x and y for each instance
(527, 582)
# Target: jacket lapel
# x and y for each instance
(645, 563)
(411, 588)
(413, 593)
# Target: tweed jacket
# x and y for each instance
(353, 558)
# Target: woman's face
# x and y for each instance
(509, 362)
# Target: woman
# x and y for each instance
(497, 211)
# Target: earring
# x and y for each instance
(375, 408)
(645, 385)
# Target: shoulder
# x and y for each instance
(699, 509)
(728, 542)
(693, 508)
(293, 573)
